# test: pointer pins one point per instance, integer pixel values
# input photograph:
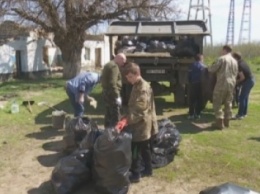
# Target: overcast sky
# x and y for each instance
(220, 12)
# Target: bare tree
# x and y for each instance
(69, 20)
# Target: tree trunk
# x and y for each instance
(70, 45)
(71, 57)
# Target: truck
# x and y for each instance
(164, 50)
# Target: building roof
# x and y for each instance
(162, 28)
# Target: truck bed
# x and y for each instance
(146, 54)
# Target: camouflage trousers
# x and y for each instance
(223, 97)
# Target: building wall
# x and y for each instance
(88, 54)
(38, 54)
(31, 50)
(7, 59)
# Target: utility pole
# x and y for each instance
(203, 7)
(245, 28)
(231, 24)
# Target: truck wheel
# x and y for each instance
(180, 95)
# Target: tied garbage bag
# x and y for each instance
(227, 188)
(75, 131)
(165, 144)
(71, 172)
(89, 140)
(112, 160)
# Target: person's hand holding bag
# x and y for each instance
(121, 124)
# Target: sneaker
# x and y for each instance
(190, 117)
(134, 178)
(238, 117)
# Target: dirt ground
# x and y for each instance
(30, 173)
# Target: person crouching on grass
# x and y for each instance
(141, 120)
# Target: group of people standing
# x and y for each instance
(140, 118)
(230, 71)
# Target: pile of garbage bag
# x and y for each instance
(185, 47)
(104, 157)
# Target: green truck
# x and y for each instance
(164, 51)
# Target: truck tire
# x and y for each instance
(180, 95)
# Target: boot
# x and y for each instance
(218, 124)
(226, 122)
(134, 177)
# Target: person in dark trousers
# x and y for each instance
(111, 82)
(141, 120)
(246, 81)
(78, 88)
(195, 91)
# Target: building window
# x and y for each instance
(87, 53)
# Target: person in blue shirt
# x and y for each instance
(195, 91)
(78, 88)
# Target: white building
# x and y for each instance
(34, 55)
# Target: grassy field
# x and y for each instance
(206, 156)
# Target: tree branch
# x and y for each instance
(50, 11)
(26, 16)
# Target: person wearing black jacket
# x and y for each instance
(246, 81)
(195, 91)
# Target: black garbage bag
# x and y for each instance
(112, 161)
(140, 47)
(165, 144)
(227, 188)
(89, 140)
(72, 171)
(153, 46)
(170, 47)
(75, 130)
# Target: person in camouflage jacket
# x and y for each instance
(226, 71)
(141, 120)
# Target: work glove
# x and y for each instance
(119, 101)
(93, 103)
(121, 124)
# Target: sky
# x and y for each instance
(219, 18)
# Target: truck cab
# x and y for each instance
(164, 50)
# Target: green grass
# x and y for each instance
(207, 155)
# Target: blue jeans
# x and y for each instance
(244, 95)
(78, 107)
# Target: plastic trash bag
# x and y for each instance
(71, 172)
(165, 144)
(89, 140)
(112, 161)
(140, 47)
(227, 188)
(75, 131)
